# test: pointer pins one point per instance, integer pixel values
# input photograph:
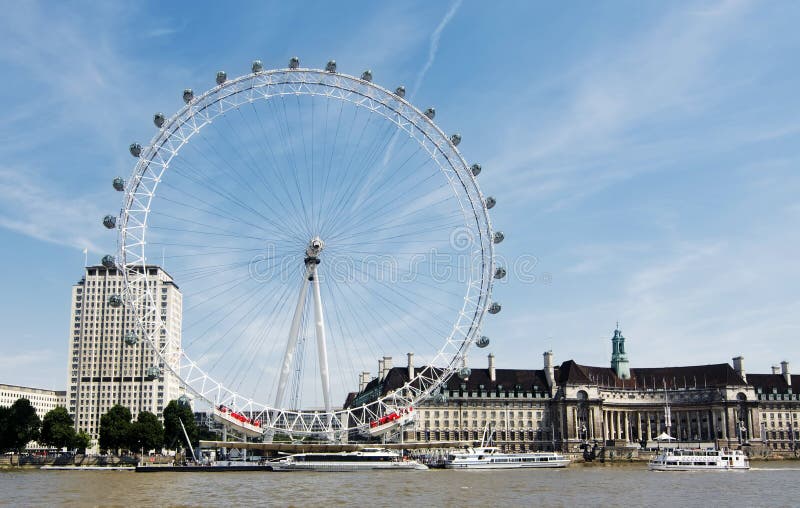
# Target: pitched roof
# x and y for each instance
(768, 382)
(718, 374)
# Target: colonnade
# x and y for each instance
(635, 425)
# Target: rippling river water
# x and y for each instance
(767, 484)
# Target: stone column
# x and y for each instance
(724, 414)
(649, 427)
(639, 426)
(699, 426)
(627, 426)
(605, 426)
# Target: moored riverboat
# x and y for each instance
(362, 460)
(700, 460)
(490, 457)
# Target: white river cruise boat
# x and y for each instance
(490, 457)
(363, 460)
(700, 460)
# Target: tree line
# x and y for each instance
(19, 425)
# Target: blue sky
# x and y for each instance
(644, 155)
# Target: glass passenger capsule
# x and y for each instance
(153, 371)
(430, 113)
(400, 91)
(119, 184)
(482, 342)
(130, 338)
(498, 237)
(135, 149)
(490, 202)
(455, 139)
(184, 400)
(464, 372)
(500, 272)
(221, 77)
(257, 66)
(159, 119)
(108, 261)
(115, 301)
(331, 66)
(188, 95)
(110, 221)
(494, 308)
(367, 75)
(476, 169)
(294, 62)
(440, 398)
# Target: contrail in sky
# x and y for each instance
(432, 50)
(434, 47)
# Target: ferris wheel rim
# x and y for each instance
(186, 370)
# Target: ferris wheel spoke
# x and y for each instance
(256, 170)
(275, 166)
(399, 195)
(324, 196)
(252, 350)
(246, 185)
(189, 175)
(432, 307)
(346, 172)
(381, 319)
(234, 309)
(354, 190)
(293, 162)
(361, 169)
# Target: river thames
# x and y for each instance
(767, 484)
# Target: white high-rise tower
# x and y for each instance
(109, 362)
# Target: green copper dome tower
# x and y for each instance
(619, 358)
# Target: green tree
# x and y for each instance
(58, 428)
(82, 441)
(19, 424)
(174, 413)
(5, 431)
(147, 432)
(115, 429)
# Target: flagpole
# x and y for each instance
(85, 257)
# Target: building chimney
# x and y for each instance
(776, 370)
(492, 372)
(363, 381)
(738, 366)
(410, 366)
(387, 366)
(549, 372)
(785, 371)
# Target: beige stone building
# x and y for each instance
(109, 363)
(42, 400)
(565, 406)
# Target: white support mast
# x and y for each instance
(291, 344)
(322, 348)
(313, 250)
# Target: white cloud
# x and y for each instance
(42, 213)
(589, 138)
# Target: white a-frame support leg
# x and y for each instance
(294, 334)
(322, 347)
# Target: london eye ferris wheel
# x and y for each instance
(314, 222)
